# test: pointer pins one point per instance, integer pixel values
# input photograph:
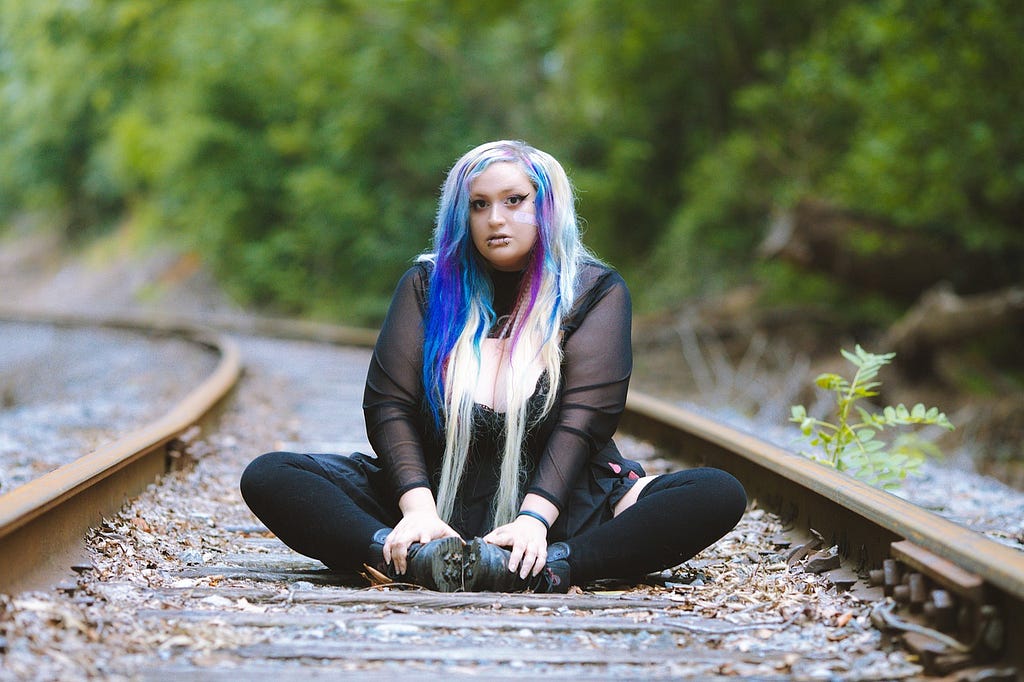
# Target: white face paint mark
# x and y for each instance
(524, 217)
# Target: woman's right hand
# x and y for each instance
(420, 523)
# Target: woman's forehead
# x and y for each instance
(499, 177)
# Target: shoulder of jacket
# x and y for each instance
(419, 273)
(417, 277)
(596, 275)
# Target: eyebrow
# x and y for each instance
(506, 190)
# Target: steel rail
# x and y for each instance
(1001, 565)
(43, 522)
(870, 526)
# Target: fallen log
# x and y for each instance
(941, 319)
(872, 254)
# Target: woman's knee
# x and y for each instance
(732, 495)
(263, 472)
(720, 486)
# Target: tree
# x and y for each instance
(900, 111)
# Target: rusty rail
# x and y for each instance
(953, 578)
(43, 522)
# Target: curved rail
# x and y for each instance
(45, 519)
(871, 527)
(730, 449)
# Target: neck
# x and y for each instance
(506, 290)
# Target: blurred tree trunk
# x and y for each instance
(941, 319)
(871, 254)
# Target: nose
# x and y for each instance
(497, 215)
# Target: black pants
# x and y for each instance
(676, 516)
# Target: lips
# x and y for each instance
(498, 240)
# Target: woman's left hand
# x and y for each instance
(528, 539)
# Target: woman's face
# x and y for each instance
(502, 218)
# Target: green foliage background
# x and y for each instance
(299, 146)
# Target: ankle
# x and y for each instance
(375, 552)
(557, 575)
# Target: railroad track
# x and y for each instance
(955, 598)
(43, 521)
(947, 578)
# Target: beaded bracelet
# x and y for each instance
(535, 515)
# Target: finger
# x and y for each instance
(534, 559)
(500, 537)
(516, 559)
(542, 561)
(390, 543)
(398, 554)
(529, 561)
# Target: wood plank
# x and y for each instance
(489, 621)
(274, 573)
(341, 596)
(943, 571)
(403, 651)
(702, 666)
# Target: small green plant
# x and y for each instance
(852, 444)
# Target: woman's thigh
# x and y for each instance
(630, 498)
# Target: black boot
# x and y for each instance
(555, 576)
(436, 565)
(486, 570)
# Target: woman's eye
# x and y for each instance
(515, 199)
(478, 204)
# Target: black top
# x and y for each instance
(597, 361)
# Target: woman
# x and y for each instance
(495, 386)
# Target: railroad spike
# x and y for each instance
(943, 610)
(901, 593)
(918, 591)
(891, 572)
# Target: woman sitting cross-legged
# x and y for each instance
(494, 388)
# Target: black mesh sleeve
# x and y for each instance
(392, 397)
(596, 369)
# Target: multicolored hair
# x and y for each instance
(460, 313)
